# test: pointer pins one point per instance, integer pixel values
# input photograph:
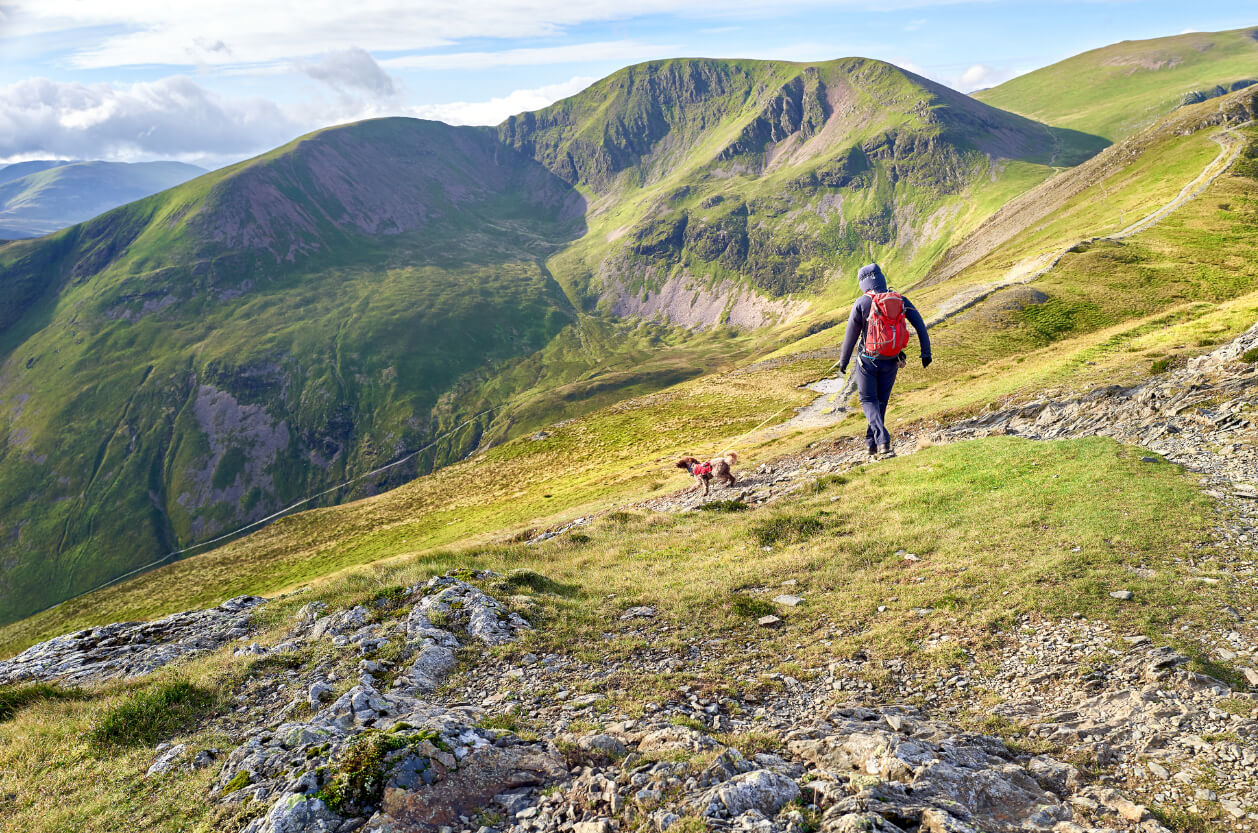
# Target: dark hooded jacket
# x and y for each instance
(871, 279)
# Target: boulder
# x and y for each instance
(761, 790)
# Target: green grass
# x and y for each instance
(15, 698)
(151, 714)
(996, 523)
(787, 529)
(1117, 90)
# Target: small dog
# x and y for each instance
(704, 472)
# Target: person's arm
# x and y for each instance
(919, 326)
(855, 326)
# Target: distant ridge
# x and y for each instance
(44, 196)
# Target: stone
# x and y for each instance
(296, 813)
(768, 621)
(761, 790)
(130, 649)
(599, 826)
(1251, 676)
(663, 819)
(788, 600)
(433, 664)
(605, 745)
(641, 612)
(1053, 775)
(204, 758)
(1122, 595)
(318, 693)
(167, 759)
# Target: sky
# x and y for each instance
(216, 81)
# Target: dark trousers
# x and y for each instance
(874, 380)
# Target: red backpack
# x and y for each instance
(887, 331)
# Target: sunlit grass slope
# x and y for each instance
(1120, 89)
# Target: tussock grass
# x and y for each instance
(718, 506)
(750, 606)
(15, 698)
(151, 714)
(786, 529)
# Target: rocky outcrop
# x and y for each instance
(130, 649)
(688, 302)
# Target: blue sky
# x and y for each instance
(212, 82)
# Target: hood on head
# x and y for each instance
(871, 279)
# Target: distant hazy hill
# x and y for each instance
(1117, 90)
(200, 358)
(40, 197)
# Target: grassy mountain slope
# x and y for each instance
(38, 198)
(201, 358)
(1117, 90)
(216, 351)
(1106, 314)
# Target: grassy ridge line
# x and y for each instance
(1118, 90)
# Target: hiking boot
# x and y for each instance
(885, 451)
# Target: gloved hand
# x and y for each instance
(926, 360)
(843, 370)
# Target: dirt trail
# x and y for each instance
(1024, 272)
(831, 407)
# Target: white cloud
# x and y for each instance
(623, 50)
(351, 70)
(235, 32)
(914, 25)
(980, 76)
(495, 110)
(172, 118)
(176, 118)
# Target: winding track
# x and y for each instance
(829, 408)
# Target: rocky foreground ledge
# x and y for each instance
(349, 740)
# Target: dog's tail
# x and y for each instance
(731, 457)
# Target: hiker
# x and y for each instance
(878, 323)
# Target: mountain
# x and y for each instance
(38, 198)
(204, 357)
(553, 631)
(1118, 90)
(775, 175)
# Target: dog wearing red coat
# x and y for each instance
(705, 472)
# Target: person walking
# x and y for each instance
(877, 323)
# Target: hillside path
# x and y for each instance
(1030, 269)
(830, 407)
